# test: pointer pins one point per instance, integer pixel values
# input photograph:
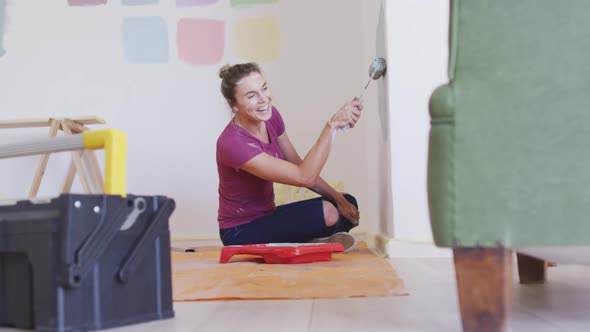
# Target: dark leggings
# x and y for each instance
(296, 222)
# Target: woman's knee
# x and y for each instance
(330, 214)
(351, 199)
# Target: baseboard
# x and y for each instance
(382, 244)
(391, 247)
(378, 243)
(175, 238)
(360, 235)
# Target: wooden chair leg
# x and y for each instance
(94, 169)
(89, 160)
(531, 270)
(69, 178)
(77, 158)
(484, 284)
(43, 162)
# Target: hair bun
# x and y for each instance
(224, 70)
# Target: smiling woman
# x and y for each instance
(253, 151)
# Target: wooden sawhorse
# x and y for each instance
(91, 180)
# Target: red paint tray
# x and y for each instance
(284, 253)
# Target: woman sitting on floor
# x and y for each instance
(253, 151)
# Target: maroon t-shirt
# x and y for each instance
(244, 197)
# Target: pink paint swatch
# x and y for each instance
(201, 41)
(86, 2)
(190, 3)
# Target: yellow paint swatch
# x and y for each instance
(285, 194)
(257, 39)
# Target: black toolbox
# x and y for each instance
(85, 262)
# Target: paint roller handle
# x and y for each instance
(360, 100)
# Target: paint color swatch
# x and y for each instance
(191, 3)
(145, 40)
(200, 41)
(239, 3)
(257, 39)
(86, 2)
(2, 16)
(138, 2)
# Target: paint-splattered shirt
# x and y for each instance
(244, 197)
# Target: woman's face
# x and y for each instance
(253, 99)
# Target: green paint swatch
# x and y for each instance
(238, 3)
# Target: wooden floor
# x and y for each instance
(561, 305)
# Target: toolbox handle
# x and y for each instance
(95, 245)
(134, 258)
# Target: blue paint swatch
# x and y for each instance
(145, 40)
(2, 15)
(138, 2)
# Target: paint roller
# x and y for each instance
(114, 143)
(376, 71)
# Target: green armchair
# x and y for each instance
(508, 162)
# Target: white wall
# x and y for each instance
(417, 52)
(375, 118)
(65, 61)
